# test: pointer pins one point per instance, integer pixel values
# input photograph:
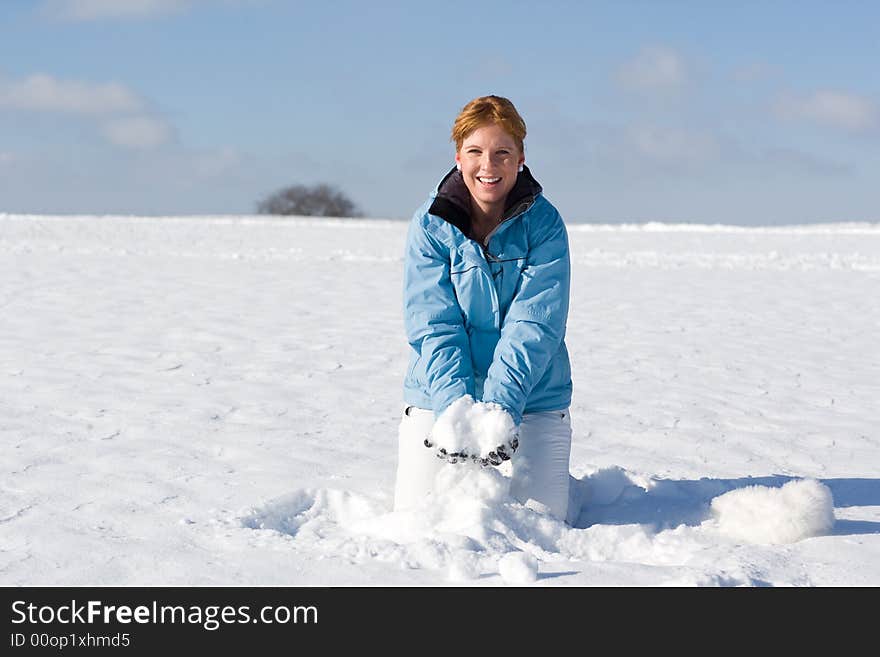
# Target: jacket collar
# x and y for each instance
(452, 201)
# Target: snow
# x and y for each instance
(518, 568)
(215, 401)
(759, 514)
(472, 427)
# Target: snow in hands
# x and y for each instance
(482, 432)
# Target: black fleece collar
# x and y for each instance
(453, 200)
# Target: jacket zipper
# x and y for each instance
(487, 257)
(525, 205)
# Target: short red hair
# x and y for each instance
(487, 110)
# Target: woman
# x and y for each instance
(486, 295)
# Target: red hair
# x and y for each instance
(487, 110)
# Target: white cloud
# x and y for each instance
(122, 116)
(46, 93)
(831, 108)
(139, 132)
(88, 10)
(95, 10)
(673, 145)
(654, 69)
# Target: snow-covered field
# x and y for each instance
(215, 401)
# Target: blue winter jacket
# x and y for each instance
(487, 320)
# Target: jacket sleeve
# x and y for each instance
(434, 320)
(534, 326)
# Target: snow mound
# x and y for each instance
(758, 514)
(466, 528)
(471, 528)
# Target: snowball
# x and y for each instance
(518, 568)
(462, 568)
(472, 427)
(798, 510)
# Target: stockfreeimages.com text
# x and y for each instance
(211, 617)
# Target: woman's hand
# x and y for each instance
(495, 457)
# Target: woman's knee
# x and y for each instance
(540, 468)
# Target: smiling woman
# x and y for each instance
(488, 135)
(486, 303)
(489, 161)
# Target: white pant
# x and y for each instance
(539, 467)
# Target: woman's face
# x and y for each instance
(489, 159)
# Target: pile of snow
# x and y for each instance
(473, 529)
(472, 427)
(758, 514)
(470, 527)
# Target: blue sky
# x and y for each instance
(752, 113)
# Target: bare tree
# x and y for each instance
(320, 200)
